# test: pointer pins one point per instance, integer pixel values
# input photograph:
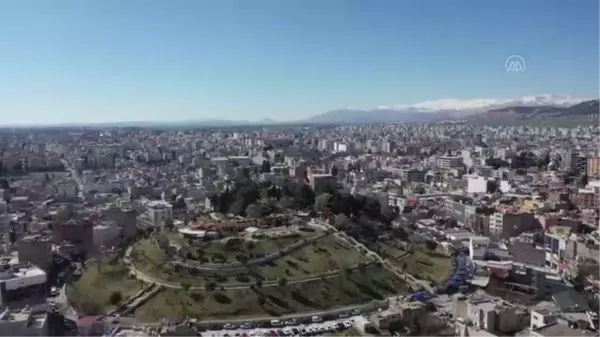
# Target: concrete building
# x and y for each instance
(593, 166)
(475, 184)
(481, 315)
(319, 182)
(106, 234)
(449, 162)
(412, 175)
(21, 283)
(568, 161)
(79, 233)
(35, 249)
(25, 322)
(125, 217)
(459, 208)
(507, 224)
(405, 313)
(560, 245)
(157, 213)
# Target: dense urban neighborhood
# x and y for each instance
(447, 228)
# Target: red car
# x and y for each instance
(273, 333)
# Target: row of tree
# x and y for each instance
(263, 198)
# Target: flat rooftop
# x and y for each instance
(558, 329)
(528, 254)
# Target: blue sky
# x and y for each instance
(147, 60)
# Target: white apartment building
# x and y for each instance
(20, 280)
(475, 184)
(25, 322)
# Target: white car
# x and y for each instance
(347, 324)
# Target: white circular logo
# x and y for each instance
(515, 64)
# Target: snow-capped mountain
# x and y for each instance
(450, 104)
(441, 109)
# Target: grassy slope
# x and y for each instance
(91, 293)
(356, 288)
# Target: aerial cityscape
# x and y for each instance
(316, 168)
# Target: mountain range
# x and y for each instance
(530, 107)
(540, 106)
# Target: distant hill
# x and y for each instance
(451, 109)
(589, 109)
(584, 108)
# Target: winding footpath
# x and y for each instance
(237, 286)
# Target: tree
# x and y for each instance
(169, 223)
(287, 202)
(431, 245)
(388, 213)
(265, 167)
(341, 221)
(362, 267)
(282, 282)
(254, 210)
(259, 283)
(400, 233)
(115, 297)
(322, 202)
(163, 242)
(583, 181)
(210, 286)
(185, 286)
(492, 186)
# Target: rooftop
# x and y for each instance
(559, 329)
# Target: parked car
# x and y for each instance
(317, 319)
(246, 326)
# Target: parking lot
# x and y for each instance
(289, 328)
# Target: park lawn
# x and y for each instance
(429, 265)
(324, 255)
(216, 251)
(91, 293)
(343, 290)
(390, 249)
(150, 259)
